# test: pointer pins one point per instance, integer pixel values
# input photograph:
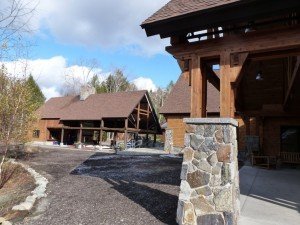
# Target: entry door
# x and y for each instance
(290, 139)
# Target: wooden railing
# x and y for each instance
(290, 157)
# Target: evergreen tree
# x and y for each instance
(37, 96)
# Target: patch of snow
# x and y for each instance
(104, 157)
(37, 193)
(82, 169)
(171, 156)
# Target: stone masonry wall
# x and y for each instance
(209, 190)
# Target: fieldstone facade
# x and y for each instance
(209, 190)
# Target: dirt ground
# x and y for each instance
(102, 188)
(18, 186)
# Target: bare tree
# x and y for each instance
(16, 109)
(15, 16)
(17, 112)
(80, 75)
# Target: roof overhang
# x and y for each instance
(240, 11)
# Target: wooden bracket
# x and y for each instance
(291, 82)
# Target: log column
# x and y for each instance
(62, 137)
(101, 132)
(198, 89)
(231, 66)
(125, 133)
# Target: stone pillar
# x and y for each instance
(209, 190)
(168, 140)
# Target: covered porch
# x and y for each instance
(258, 79)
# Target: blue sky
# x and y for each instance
(66, 32)
(160, 67)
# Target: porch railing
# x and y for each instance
(290, 157)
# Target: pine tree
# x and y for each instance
(37, 96)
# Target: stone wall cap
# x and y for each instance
(228, 121)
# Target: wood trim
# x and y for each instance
(255, 42)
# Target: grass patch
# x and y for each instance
(16, 186)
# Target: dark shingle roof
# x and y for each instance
(178, 102)
(176, 8)
(95, 107)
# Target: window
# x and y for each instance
(290, 139)
(36, 133)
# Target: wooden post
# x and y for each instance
(62, 136)
(247, 124)
(225, 86)
(80, 133)
(101, 132)
(125, 133)
(198, 89)
(230, 73)
(154, 141)
(147, 134)
(138, 117)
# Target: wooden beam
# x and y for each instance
(198, 89)
(291, 82)
(256, 42)
(274, 54)
(237, 62)
(212, 77)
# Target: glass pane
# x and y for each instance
(290, 139)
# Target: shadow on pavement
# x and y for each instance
(145, 180)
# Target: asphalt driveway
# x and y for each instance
(101, 188)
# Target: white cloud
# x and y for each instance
(143, 83)
(50, 74)
(108, 24)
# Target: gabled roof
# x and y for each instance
(180, 17)
(179, 100)
(176, 8)
(54, 107)
(95, 107)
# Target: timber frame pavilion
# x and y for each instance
(256, 45)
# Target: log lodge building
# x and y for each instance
(256, 45)
(85, 118)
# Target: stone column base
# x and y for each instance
(209, 190)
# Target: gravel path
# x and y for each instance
(100, 188)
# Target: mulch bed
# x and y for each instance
(18, 184)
